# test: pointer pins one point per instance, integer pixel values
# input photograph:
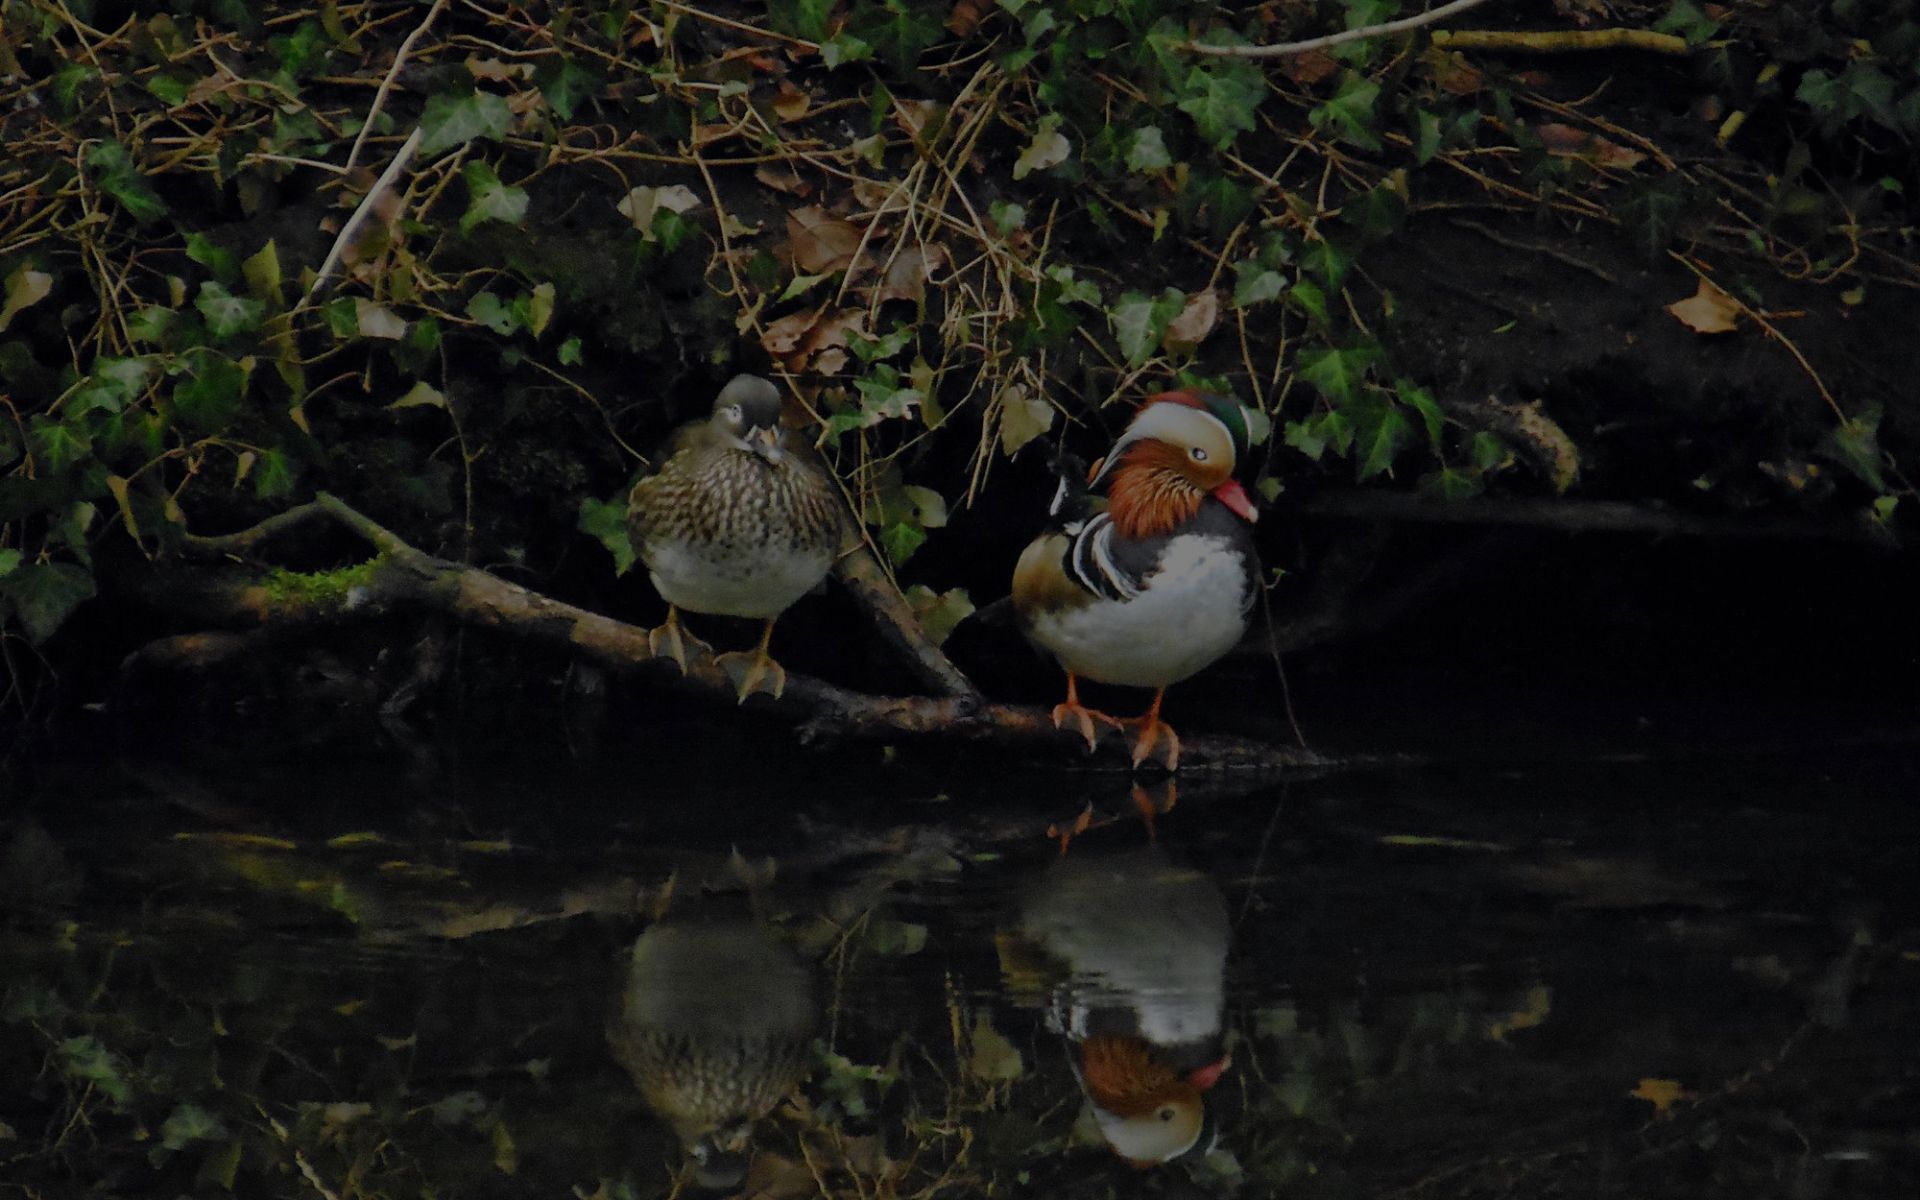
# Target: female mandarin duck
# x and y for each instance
(715, 1025)
(1159, 585)
(738, 521)
(1138, 947)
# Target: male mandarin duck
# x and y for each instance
(740, 520)
(715, 1025)
(1160, 584)
(1142, 945)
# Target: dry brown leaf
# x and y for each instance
(783, 179)
(820, 243)
(1310, 67)
(710, 135)
(1453, 73)
(782, 337)
(1569, 142)
(791, 103)
(879, 196)
(1708, 310)
(774, 1176)
(917, 117)
(1663, 1094)
(1195, 322)
(492, 70)
(909, 272)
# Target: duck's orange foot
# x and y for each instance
(1157, 740)
(672, 641)
(752, 671)
(1083, 719)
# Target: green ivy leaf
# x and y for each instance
(900, 540)
(1383, 441)
(208, 400)
(1426, 136)
(1255, 284)
(1422, 402)
(606, 521)
(1855, 445)
(1338, 374)
(565, 83)
(57, 445)
(226, 313)
(189, 1123)
(1349, 114)
(494, 313)
(898, 30)
(1306, 296)
(1147, 150)
(1139, 321)
(43, 596)
(115, 174)
(488, 199)
(273, 475)
(939, 612)
(451, 121)
(1221, 96)
(9, 561)
(1453, 483)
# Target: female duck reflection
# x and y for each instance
(715, 1025)
(1127, 951)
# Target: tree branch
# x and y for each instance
(403, 577)
(870, 587)
(1560, 41)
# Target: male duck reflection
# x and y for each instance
(1128, 952)
(740, 520)
(715, 1025)
(1160, 584)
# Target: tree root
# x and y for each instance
(402, 578)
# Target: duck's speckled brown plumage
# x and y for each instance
(715, 1025)
(732, 527)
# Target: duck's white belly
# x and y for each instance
(1190, 611)
(735, 579)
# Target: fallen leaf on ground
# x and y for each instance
(790, 103)
(1708, 310)
(1569, 142)
(909, 272)
(1023, 417)
(783, 179)
(820, 243)
(1663, 1094)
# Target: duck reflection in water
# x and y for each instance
(715, 1025)
(1127, 951)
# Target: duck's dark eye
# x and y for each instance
(1198, 454)
(1166, 1114)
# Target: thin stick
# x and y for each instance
(1337, 39)
(363, 214)
(386, 84)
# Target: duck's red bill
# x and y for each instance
(1205, 1077)
(1235, 498)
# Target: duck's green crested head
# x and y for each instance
(1180, 448)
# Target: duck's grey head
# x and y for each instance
(747, 410)
(720, 1159)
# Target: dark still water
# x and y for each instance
(507, 978)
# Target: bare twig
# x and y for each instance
(386, 83)
(369, 204)
(1337, 39)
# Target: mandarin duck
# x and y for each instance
(1135, 950)
(715, 1025)
(1160, 584)
(740, 520)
